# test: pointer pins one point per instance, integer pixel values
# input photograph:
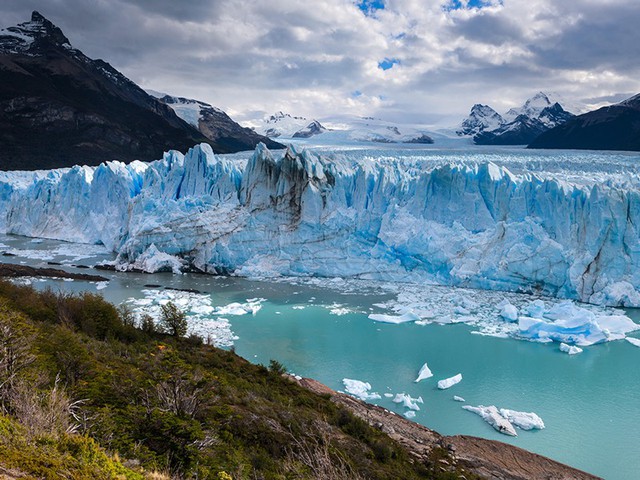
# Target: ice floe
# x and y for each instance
(409, 414)
(359, 389)
(634, 341)
(492, 416)
(407, 401)
(523, 420)
(404, 318)
(449, 382)
(458, 399)
(424, 373)
(570, 349)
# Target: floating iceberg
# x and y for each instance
(523, 420)
(568, 323)
(458, 399)
(570, 349)
(424, 373)
(508, 311)
(409, 414)
(425, 217)
(359, 389)
(408, 401)
(492, 417)
(634, 341)
(404, 318)
(449, 382)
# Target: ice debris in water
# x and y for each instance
(458, 399)
(359, 389)
(507, 315)
(634, 341)
(408, 401)
(570, 349)
(508, 311)
(404, 318)
(449, 382)
(424, 373)
(568, 323)
(409, 414)
(202, 318)
(523, 420)
(492, 416)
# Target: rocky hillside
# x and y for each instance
(616, 127)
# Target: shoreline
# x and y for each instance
(487, 458)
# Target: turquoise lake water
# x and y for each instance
(589, 402)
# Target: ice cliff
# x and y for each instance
(299, 213)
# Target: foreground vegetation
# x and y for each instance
(85, 393)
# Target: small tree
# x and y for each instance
(173, 320)
(147, 324)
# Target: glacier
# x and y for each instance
(466, 223)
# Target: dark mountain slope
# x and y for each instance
(58, 108)
(616, 127)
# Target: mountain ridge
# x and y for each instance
(614, 127)
(59, 107)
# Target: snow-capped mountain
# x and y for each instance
(214, 123)
(471, 224)
(481, 117)
(314, 128)
(288, 126)
(59, 107)
(338, 130)
(616, 127)
(518, 126)
(53, 98)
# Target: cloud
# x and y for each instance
(309, 58)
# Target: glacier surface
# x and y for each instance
(399, 217)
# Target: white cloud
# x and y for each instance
(310, 57)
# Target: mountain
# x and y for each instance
(284, 125)
(616, 127)
(215, 124)
(58, 107)
(481, 117)
(339, 130)
(518, 126)
(314, 128)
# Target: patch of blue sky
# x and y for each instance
(370, 7)
(388, 63)
(465, 4)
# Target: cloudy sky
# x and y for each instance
(422, 61)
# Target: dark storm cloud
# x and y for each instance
(489, 27)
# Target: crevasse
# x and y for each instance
(301, 213)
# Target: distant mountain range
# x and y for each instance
(345, 129)
(58, 107)
(518, 126)
(616, 127)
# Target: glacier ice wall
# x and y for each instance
(298, 213)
